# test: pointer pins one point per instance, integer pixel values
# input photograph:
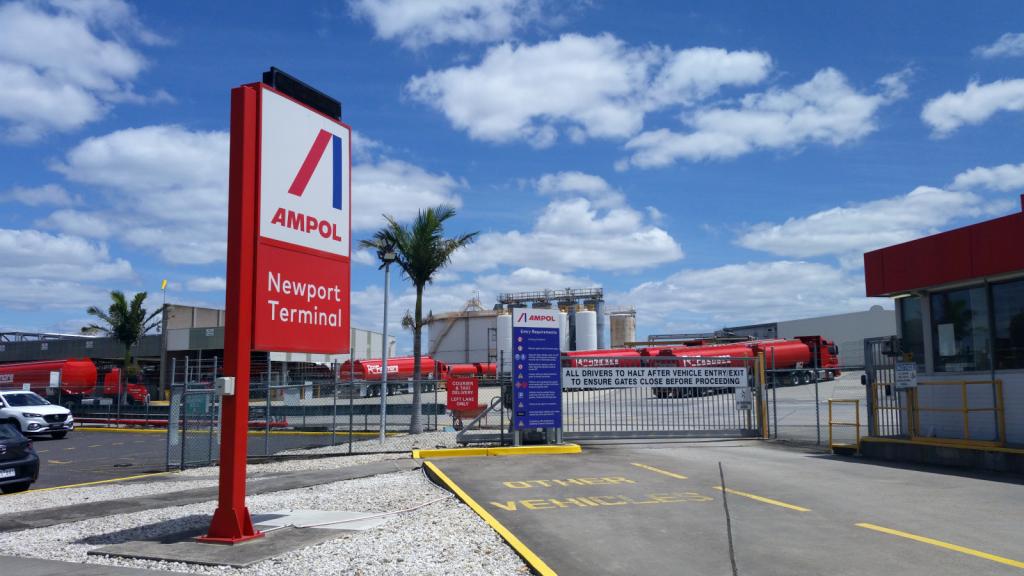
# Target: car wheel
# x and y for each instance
(58, 435)
(17, 487)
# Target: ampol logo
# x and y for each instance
(533, 317)
(311, 224)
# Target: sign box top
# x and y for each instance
(305, 176)
(534, 318)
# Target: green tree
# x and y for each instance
(125, 322)
(421, 250)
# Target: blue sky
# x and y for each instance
(710, 164)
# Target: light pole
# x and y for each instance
(386, 253)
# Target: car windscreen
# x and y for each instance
(24, 400)
(8, 432)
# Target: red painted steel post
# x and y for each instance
(231, 522)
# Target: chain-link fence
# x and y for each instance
(298, 406)
(94, 392)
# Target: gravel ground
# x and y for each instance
(173, 482)
(443, 538)
(401, 442)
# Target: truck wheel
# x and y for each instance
(805, 378)
(58, 435)
(794, 379)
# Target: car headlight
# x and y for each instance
(31, 415)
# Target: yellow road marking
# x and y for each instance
(95, 445)
(532, 559)
(118, 443)
(58, 462)
(100, 482)
(70, 448)
(941, 544)
(659, 470)
(765, 500)
(42, 451)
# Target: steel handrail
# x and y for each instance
(496, 401)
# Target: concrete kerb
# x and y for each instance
(498, 451)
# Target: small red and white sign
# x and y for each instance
(463, 393)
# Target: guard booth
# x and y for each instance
(959, 299)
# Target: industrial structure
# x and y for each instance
(475, 334)
(960, 303)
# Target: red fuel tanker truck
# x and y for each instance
(78, 381)
(400, 372)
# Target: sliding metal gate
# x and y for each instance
(640, 410)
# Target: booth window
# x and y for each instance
(1008, 315)
(960, 331)
(912, 329)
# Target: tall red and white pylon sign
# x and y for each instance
(289, 244)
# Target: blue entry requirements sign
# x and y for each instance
(536, 372)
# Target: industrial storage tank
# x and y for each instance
(586, 330)
(563, 332)
(505, 343)
(623, 329)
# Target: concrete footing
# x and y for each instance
(895, 450)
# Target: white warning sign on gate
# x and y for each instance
(704, 377)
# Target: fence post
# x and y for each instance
(817, 404)
(351, 393)
(334, 413)
(266, 424)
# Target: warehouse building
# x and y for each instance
(848, 331)
(960, 308)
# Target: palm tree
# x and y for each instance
(125, 322)
(421, 250)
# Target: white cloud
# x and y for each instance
(746, 293)
(1003, 178)
(364, 257)
(206, 284)
(1008, 45)
(47, 194)
(417, 24)
(65, 64)
(166, 186)
(397, 188)
(41, 270)
(592, 87)
(593, 187)
(976, 104)
(852, 230)
(78, 223)
(825, 109)
(528, 279)
(574, 234)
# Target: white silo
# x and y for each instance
(586, 330)
(563, 331)
(504, 337)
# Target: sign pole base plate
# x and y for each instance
(230, 527)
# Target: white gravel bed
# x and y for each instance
(443, 538)
(409, 442)
(174, 482)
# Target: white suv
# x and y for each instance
(34, 414)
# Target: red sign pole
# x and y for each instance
(231, 522)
